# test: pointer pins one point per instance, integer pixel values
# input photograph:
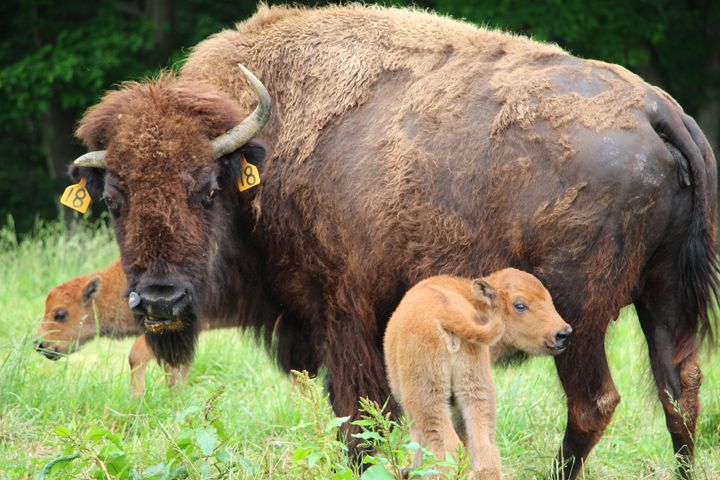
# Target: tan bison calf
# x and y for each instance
(70, 320)
(437, 351)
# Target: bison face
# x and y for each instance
(168, 174)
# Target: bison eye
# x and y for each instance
(112, 205)
(208, 199)
(520, 307)
(61, 315)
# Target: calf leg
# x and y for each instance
(475, 395)
(591, 398)
(672, 347)
(140, 355)
(432, 420)
(176, 375)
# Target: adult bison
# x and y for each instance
(404, 145)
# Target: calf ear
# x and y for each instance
(483, 291)
(94, 178)
(91, 289)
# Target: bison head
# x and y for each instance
(168, 155)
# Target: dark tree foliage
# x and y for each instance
(57, 58)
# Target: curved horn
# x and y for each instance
(92, 159)
(240, 134)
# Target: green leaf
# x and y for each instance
(377, 472)
(336, 423)
(56, 461)
(301, 453)
(368, 436)
(223, 456)
(207, 440)
(205, 469)
(158, 471)
(314, 458)
(342, 472)
(62, 432)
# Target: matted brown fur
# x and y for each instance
(438, 346)
(403, 145)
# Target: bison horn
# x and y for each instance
(240, 134)
(92, 159)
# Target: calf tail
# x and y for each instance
(476, 327)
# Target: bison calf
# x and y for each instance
(437, 350)
(70, 320)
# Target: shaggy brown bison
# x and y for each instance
(403, 145)
(96, 304)
(438, 347)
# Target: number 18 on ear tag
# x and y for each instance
(249, 176)
(76, 197)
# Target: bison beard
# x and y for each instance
(434, 147)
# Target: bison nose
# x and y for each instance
(562, 338)
(160, 300)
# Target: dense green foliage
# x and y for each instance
(56, 59)
(239, 417)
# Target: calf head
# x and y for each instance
(531, 322)
(169, 155)
(69, 319)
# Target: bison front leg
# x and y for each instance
(591, 399)
(356, 369)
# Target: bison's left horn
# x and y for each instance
(92, 159)
(240, 134)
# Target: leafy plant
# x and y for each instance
(320, 448)
(392, 454)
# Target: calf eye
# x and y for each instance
(520, 307)
(61, 315)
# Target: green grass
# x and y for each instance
(262, 421)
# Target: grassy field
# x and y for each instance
(238, 417)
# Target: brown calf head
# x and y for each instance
(69, 319)
(531, 322)
(168, 175)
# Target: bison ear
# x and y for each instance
(483, 291)
(91, 289)
(95, 178)
(253, 151)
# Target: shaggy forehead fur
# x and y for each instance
(158, 129)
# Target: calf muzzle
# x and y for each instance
(562, 338)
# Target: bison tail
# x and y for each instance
(699, 261)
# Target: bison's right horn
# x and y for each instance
(92, 159)
(244, 131)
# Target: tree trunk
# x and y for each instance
(60, 148)
(161, 13)
(709, 112)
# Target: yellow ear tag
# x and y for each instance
(249, 176)
(76, 197)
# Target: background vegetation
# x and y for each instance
(56, 59)
(240, 418)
